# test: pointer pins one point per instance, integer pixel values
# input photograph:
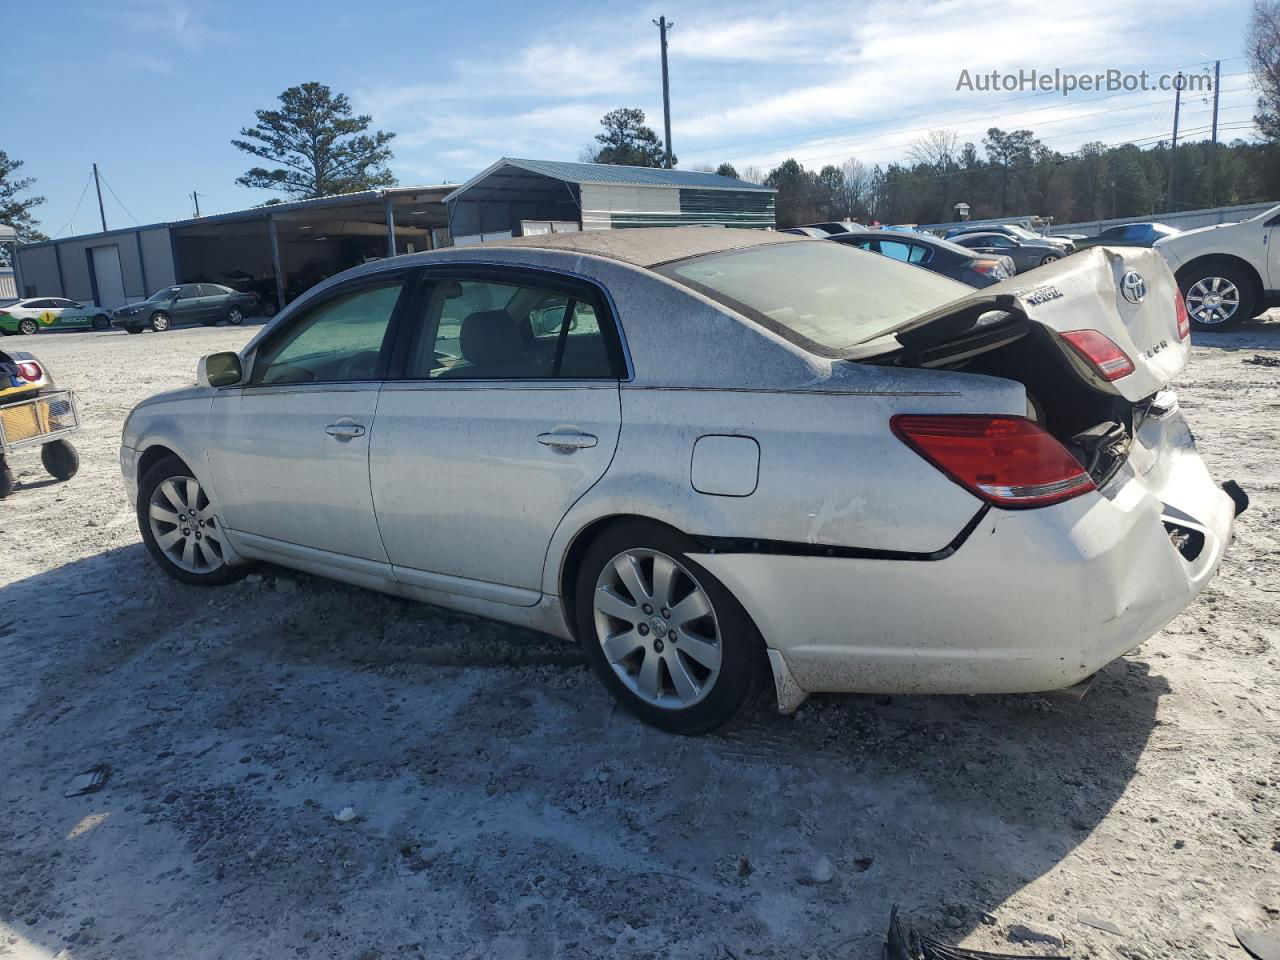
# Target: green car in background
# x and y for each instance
(205, 303)
(37, 314)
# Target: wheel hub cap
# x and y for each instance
(1213, 300)
(185, 526)
(657, 628)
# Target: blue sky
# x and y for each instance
(154, 90)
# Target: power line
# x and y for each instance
(72, 218)
(121, 202)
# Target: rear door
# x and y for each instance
(504, 411)
(289, 451)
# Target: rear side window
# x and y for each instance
(339, 340)
(473, 329)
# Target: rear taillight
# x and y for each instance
(1101, 353)
(1007, 461)
(1180, 311)
(30, 371)
(992, 268)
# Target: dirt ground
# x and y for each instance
(504, 807)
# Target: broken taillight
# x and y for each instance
(1100, 352)
(1007, 461)
(1180, 311)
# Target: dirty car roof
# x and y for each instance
(650, 246)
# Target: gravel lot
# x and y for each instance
(504, 808)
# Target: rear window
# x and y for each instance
(821, 296)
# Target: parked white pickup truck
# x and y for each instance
(1228, 273)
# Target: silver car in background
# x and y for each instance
(716, 458)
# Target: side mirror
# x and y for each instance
(219, 370)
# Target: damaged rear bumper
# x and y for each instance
(1035, 600)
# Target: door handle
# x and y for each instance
(567, 442)
(344, 430)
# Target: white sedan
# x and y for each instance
(714, 458)
(37, 314)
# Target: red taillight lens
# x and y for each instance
(1007, 461)
(1101, 352)
(1180, 311)
(30, 371)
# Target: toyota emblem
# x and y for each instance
(1133, 287)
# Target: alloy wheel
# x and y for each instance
(234, 316)
(1213, 300)
(29, 327)
(185, 525)
(160, 322)
(657, 627)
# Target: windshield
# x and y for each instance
(820, 295)
(167, 293)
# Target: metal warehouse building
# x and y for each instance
(280, 250)
(277, 250)
(523, 197)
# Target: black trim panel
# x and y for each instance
(791, 548)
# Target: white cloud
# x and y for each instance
(819, 82)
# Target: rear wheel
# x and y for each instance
(181, 527)
(102, 322)
(159, 322)
(1218, 296)
(60, 459)
(235, 316)
(29, 327)
(666, 638)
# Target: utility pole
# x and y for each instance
(101, 212)
(195, 198)
(1173, 150)
(663, 26)
(1213, 148)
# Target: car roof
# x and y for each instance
(648, 246)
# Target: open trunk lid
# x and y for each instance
(1128, 296)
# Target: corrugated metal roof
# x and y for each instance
(617, 174)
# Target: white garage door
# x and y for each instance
(106, 270)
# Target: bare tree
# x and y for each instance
(1262, 47)
(938, 149)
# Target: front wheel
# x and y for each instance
(29, 327)
(60, 459)
(160, 321)
(666, 638)
(101, 322)
(1049, 258)
(181, 527)
(1218, 297)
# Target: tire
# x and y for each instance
(235, 316)
(268, 309)
(28, 327)
(1218, 297)
(712, 692)
(1049, 258)
(60, 459)
(163, 491)
(160, 321)
(6, 478)
(133, 328)
(102, 322)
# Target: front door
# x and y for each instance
(507, 412)
(289, 451)
(187, 305)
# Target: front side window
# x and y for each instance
(339, 340)
(824, 298)
(488, 330)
